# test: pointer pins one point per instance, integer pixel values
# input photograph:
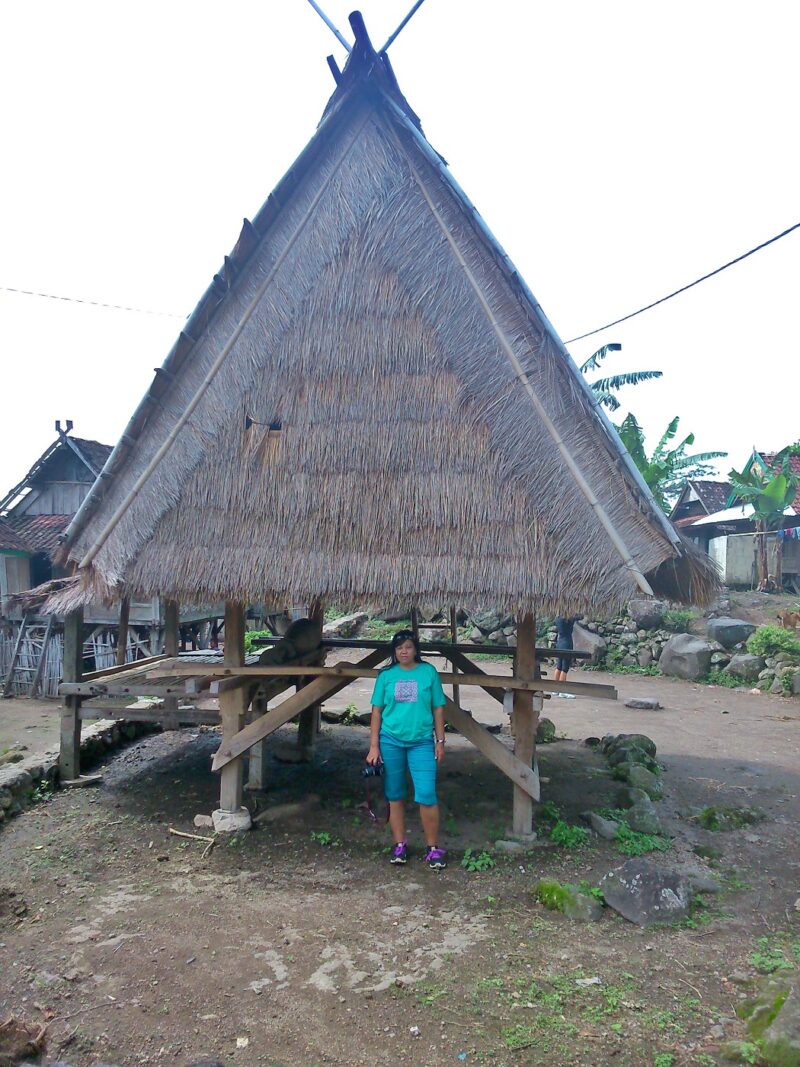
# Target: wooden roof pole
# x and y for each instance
(522, 375)
(215, 366)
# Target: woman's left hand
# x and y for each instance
(438, 749)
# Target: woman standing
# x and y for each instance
(407, 733)
(564, 627)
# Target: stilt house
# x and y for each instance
(368, 407)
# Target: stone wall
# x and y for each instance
(19, 782)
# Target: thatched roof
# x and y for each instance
(431, 441)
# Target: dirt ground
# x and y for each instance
(297, 944)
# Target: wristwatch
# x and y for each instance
(439, 740)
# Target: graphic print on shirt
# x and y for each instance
(405, 692)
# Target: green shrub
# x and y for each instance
(250, 639)
(569, 836)
(678, 620)
(477, 861)
(632, 843)
(770, 640)
(730, 681)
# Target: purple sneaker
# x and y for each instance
(400, 853)
(436, 858)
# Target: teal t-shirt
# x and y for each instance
(408, 698)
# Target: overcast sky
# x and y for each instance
(617, 150)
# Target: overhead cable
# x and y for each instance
(92, 303)
(683, 288)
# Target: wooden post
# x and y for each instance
(415, 622)
(155, 640)
(309, 724)
(454, 639)
(171, 640)
(232, 706)
(122, 639)
(525, 719)
(69, 760)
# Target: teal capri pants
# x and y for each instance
(414, 756)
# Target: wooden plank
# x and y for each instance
(122, 633)
(69, 759)
(520, 774)
(588, 689)
(526, 717)
(185, 716)
(232, 707)
(134, 666)
(454, 640)
(171, 643)
(317, 691)
(136, 687)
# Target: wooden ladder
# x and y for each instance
(15, 670)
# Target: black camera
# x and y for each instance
(372, 770)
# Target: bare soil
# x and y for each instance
(297, 944)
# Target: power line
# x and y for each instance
(683, 288)
(92, 303)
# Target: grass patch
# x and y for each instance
(678, 620)
(379, 630)
(722, 819)
(770, 640)
(769, 958)
(325, 839)
(632, 843)
(729, 681)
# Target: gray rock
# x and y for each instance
(488, 621)
(685, 656)
(627, 638)
(642, 741)
(720, 660)
(582, 908)
(777, 686)
(605, 828)
(644, 657)
(641, 778)
(509, 846)
(643, 817)
(700, 882)
(796, 684)
(629, 661)
(584, 640)
(475, 636)
(745, 666)
(647, 614)
(729, 632)
(346, 626)
(645, 894)
(780, 1042)
(643, 704)
(545, 732)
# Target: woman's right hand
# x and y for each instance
(374, 755)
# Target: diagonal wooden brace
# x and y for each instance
(458, 659)
(495, 751)
(319, 689)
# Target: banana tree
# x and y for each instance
(669, 466)
(770, 492)
(604, 388)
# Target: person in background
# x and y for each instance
(407, 733)
(564, 625)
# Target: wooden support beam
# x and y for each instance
(348, 670)
(318, 690)
(526, 717)
(466, 665)
(122, 635)
(523, 776)
(172, 634)
(69, 760)
(309, 723)
(232, 707)
(135, 666)
(454, 639)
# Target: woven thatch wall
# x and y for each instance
(411, 464)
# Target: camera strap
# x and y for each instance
(370, 808)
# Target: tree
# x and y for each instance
(604, 388)
(668, 467)
(770, 492)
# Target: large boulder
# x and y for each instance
(345, 625)
(647, 614)
(745, 666)
(685, 656)
(584, 640)
(645, 894)
(729, 632)
(489, 621)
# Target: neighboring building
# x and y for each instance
(33, 516)
(710, 514)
